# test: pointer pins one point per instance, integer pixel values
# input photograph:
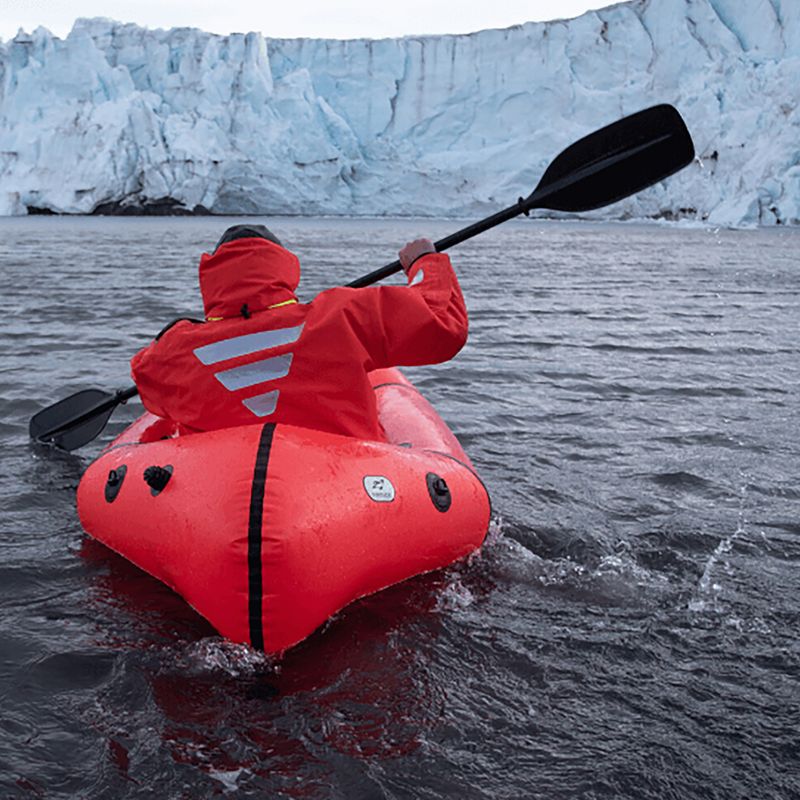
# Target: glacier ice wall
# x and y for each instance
(120, 117)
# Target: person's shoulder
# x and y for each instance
(178, 324)
(336, 295)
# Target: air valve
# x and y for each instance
(157, 478)
(439, 491)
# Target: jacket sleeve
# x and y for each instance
(157, 374)
(424, 322)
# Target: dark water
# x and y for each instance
(630, 631)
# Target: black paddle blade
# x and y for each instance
(74, 421)
(615, 162)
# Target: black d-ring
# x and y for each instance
(439, 491)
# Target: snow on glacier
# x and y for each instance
(120, 116)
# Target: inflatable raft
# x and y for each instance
(269, 530)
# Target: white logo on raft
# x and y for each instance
(379, 488)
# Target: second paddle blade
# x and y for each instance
(73, 421)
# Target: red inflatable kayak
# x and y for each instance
(269, 530)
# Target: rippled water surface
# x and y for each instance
(630, 630)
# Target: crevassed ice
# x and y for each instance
(455, 125)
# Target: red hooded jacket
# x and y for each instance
(264, 357)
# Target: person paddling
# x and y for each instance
(263, 356)
(602, 168)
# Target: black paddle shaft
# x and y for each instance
(606, 166)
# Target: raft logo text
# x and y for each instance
(379, 488)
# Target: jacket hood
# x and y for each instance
(252, 272)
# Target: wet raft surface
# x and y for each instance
(630, 396)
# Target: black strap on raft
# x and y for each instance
(245, 311)
(175, 322)
(254, 533)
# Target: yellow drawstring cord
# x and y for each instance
(275, 305)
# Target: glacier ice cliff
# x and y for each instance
(116, 117)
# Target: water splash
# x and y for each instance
(456, 596)
(228, 778)
(215, 654)
(495, 531)
(709, 589)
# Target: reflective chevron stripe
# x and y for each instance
(270, 369)
(246, 345)
(262, 405)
